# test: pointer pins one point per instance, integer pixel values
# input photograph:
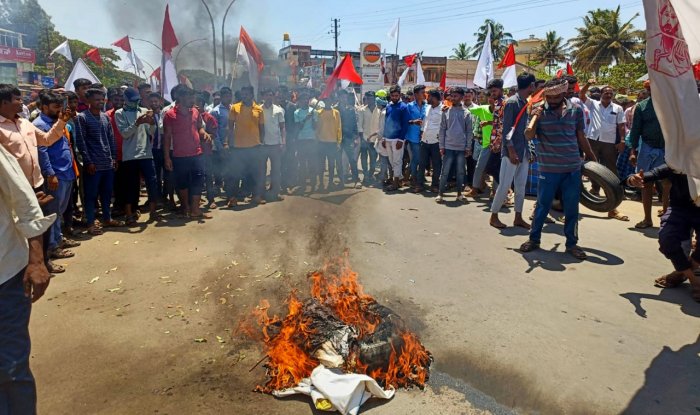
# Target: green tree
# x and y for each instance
(461, 52)
(500, 39)
(623, 76)
(552, 50)
(604, 39)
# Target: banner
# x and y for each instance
(17, 55)
(371, 67)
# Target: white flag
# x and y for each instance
(420, 76)
(394, 32)
(309, 84)
(80, 70)
(673, 87)
(250, 65)
(484, 69)
(64, 50)
(168, 76)
(510, 77)
(403, 76)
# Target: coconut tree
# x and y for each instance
(461, 52)
(604, 39)
(552, 50)
(500, 39)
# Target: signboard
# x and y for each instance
(47, 81)
(371, 67)
(17, 55)
(51, 69)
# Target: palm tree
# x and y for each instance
(603, 39)
(461, 52)
(552, 50)
(499, 39)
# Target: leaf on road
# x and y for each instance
(116, 243)
(113, 290)
(200, 340)
(222, 300)
(220, 339)
(94, 280)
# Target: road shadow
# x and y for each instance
(679, 296)
(555, 260)
(671, 384)
(651, 232)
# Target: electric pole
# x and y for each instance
(335, 36)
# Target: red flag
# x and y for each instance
(94, 55)
(168, 38)
(251, 49)
(696, 71)
(560, 73)
(409, 60)
(570, 71)
(156, 73)
(508, 58)
(344, 71)
(443, 80)
(123, 43)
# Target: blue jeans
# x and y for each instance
(62, 197)
(368, 159)
(458, 158)
(99, 185)
(481, 162)
(414, 150)
(430, 154)
(649, 157)
(348, 147)
(17, 387)
(570, 186)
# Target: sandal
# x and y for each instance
(643, 225)
(660, 212)
(68, 243)
(55, 268)
(95, 230)
(59, 253)
(112, 223)
(576, 252)
(131, 221)
(213, 205)
(619, 216)
(671, 280)
(529, 246)
(201, 216)
(232, 203)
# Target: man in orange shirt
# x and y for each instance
(246, 128)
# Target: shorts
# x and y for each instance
(649, 157)
(189, 174)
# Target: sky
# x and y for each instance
(433, 27)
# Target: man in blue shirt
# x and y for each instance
(395, 129)
(219, 157)
(416, 114)
(56, 163)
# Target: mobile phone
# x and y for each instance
(65, 103)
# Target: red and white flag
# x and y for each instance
(673, 47)
(249, 55)
(133, 60)
(509, 76)
(569, 71)
(345, 71)
(168, 73)
(408, 60)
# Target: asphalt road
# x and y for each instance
(535, 333)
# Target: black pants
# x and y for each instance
(430, 154)
(606, 153)
(290, 164)
(328, 151)
(274, 154)
(307, 154)
(676, 225)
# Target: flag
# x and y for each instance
(570, 71)
(420, 76)
(484, 68)
(443, 81)
(123, 43)
(344, 84)
(249, 55)
(310, 83)
(344, 71)
(673, 45)
(80, 70)
(382, 66)
(168, 73)
(154, 78)
(510, 78)
(408, 60)
(64, 50)
(394, 32)
(94, 55)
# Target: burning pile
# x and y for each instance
(340, 326)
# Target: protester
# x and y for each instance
(367, 126)
(208, 150)
(350, 142)
(81, 85)
(144, 91)
(57, 168)
(514, 153)
(290, 160)
(606, 133)
(430, 142)
(455, 139)
(384, 176)
(647, 137)
(137, 124)
(482, 118)
(245, 132)
(330, 134)
(95, 140)
(559, 128)
(416, 114)
(491, 162)
(183, 129)
(305, 118)
(222, 159)
(395, 129)
(274, 142)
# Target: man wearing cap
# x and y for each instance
(559, 128)
(136, 125)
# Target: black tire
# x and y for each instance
(609, 184)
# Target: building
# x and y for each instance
(461, 72)
(526, 50)
(16, 61)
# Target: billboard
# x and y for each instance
(371, 67)
(17, 55)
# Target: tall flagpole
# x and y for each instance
(396, 62)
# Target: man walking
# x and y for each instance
(222, 158)
(368, 154)
(430, 142)
(514, 157)
(394, 135)
(455, 143)
(349, 144)
(274, 142)
(305, 118)
(330, 134)
(559, 128)
(416, 114)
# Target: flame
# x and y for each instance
(287, 341)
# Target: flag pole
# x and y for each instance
(396, 62)
(235, 65)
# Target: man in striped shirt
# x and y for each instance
(559, 128)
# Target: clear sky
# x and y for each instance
(434, 27)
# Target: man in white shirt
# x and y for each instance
(606, 133)
(274, 142)
(23, 280)
(429, 143)
(366, 126)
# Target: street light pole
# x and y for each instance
(147, 41)
(223, 39)
(213, 34)
(177, 55)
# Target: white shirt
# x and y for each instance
(431, 124)
(274, 116)
(20, 217)
(604, 121)
(364, 121)
(374, 126)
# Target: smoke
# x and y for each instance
(144, 18)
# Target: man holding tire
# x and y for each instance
(559, 127)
